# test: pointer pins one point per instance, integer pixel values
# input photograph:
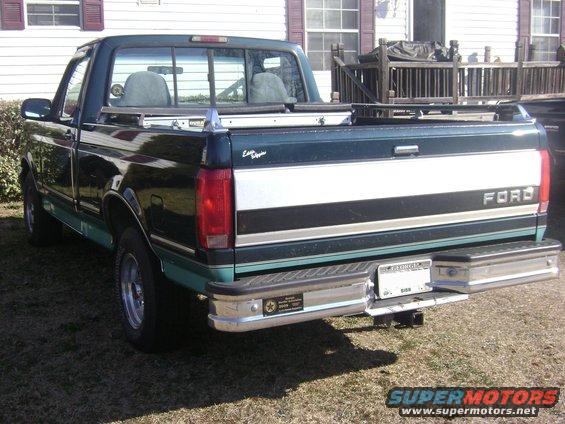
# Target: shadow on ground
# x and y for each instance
(63, 356)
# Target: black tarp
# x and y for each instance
(411, 51)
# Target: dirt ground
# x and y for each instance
(63, 356)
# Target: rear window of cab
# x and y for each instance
(178, 76)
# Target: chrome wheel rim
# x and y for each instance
(29, 213)
(132, 290)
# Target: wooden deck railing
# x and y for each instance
(452, 82)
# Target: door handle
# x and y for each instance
(406, 150)
(68, 135)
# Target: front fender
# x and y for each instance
(28, 166)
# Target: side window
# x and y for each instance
(74, 88)
(143, 77)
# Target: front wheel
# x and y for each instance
(153, 310)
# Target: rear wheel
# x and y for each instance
(41, 227)
(153, 310)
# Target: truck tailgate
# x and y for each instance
(312, 195)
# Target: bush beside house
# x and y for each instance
(11, 146)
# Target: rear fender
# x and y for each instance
(128, 202)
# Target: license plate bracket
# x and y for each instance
(403, 278)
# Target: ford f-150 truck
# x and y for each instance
(209, 164)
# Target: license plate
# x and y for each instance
(404, 278)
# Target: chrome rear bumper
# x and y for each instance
(349, 289)
(476, 270)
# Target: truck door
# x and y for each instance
(60, 134)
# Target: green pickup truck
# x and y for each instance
(209, 164)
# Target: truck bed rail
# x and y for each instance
(281, 115)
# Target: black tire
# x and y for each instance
(42, 228)
(166, 306)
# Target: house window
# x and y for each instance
(329, 22)
(53, 13)
(546, 25)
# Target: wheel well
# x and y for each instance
(23, 173)
(119, 217)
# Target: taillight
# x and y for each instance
(545, 181)
(214, 208)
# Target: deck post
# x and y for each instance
(561, 54)
(454, 52)
(383, 71)
(487, 54)
(334, 53)
(337, 50)
(520, 56)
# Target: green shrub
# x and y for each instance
(11, 146)
(9, 173)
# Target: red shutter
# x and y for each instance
(295, 21)
(92, 15)
(562, 18)
(367, 25)
(12, 12)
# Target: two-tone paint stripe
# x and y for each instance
(292, 262)
(377, 215)
(284, 204)
(361, 245)
(276, 187)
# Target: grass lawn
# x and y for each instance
(63, 356)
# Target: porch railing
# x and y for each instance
(452, 82)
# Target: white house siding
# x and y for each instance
(33, 60)
(392, 20)
(480, 23)
(324, 83)
(475, 24)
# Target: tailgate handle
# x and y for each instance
(406, 150)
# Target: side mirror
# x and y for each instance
(37, 109)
